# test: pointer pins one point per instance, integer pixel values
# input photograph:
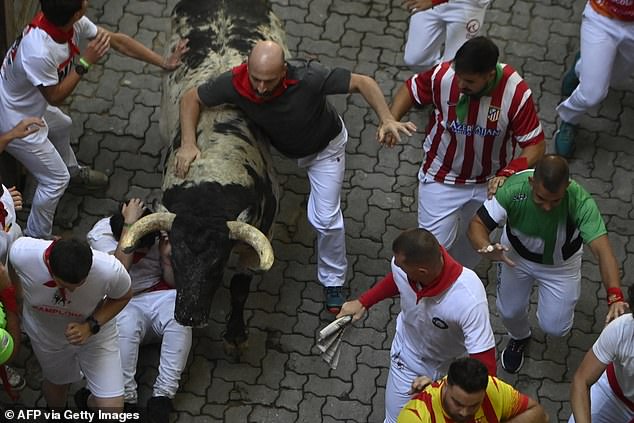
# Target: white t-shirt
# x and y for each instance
(35, 59)
(439, 329)
(9, 228)
(145, 273)
(47, 309)
(616, 345)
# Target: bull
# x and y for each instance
(229, 197)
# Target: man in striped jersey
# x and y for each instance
(484, 129)
(607, 57)
(469, 394)
(547, 218)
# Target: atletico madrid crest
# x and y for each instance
(494, 114)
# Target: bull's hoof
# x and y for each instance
(235, 350)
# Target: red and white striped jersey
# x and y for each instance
(617, 9)
(496, 125)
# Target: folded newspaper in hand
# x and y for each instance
(329, 340)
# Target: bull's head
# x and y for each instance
(199, 256)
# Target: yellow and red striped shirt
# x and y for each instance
(500, 403)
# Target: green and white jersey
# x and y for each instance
(543, 237)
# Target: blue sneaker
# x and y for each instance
(570, 80)
(565, 139)
(512, 357)
(334, 298)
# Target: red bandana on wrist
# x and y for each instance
(243, 86)
(450, 271)
(59, 36)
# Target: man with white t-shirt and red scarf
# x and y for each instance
(40, 70)
(444, 315)
(484, 128)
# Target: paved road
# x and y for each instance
(281, 379)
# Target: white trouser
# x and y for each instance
(325, 173)
(147, 318)
(47, 155)
(559, 287)
(605, 407)
(445, 210)
(451, 23)
(404, 368)
(607, 56)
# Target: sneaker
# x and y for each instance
(159, 409)
(565, 139)
(570, 80)
(334, 298)
(89, 178)
(81, 398)
(512, 357)
(16, 380)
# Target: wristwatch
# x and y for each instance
(82, 67)
(94, 324)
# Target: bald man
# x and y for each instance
(287, 100)
(547, 218)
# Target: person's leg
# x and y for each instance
(514, 287)
(559, 288)
(132, 326)
(424, 40)
(175, 346)
(462, 24)
(59, 127)
(598, 50)
(100, 361)
(461, 249)
(55, 395)
(47, 167)
(325, 174)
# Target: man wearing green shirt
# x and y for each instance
(546, 219)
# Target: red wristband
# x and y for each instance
(614, 295)
(516, 165)
(437, 2)
(7, 297)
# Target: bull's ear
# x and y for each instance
(252, 236)
(151, 223)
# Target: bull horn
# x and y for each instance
(151, 223)
(251, 235)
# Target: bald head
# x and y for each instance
(552, 172)
(267, 67)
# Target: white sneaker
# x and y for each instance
(16, 380)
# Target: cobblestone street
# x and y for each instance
(282, 379)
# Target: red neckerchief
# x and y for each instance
(137, 256)
(59, 36)
(243, 86)
(450, 271)
(52, 283)
(3, 216)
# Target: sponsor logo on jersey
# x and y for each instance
(439, 323)
(468, 130)
(520, 197)
(494, 114)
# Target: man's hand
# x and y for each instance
(77, 333)
(132, 211)
(16, 197)
(184, 157)
(615, 310)
(174, 60)
(354, 308)
(97, 47)
(388, 131)
(496, 252)
(493, 185)
(417, 5)
(419, 384)
(26, 127)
